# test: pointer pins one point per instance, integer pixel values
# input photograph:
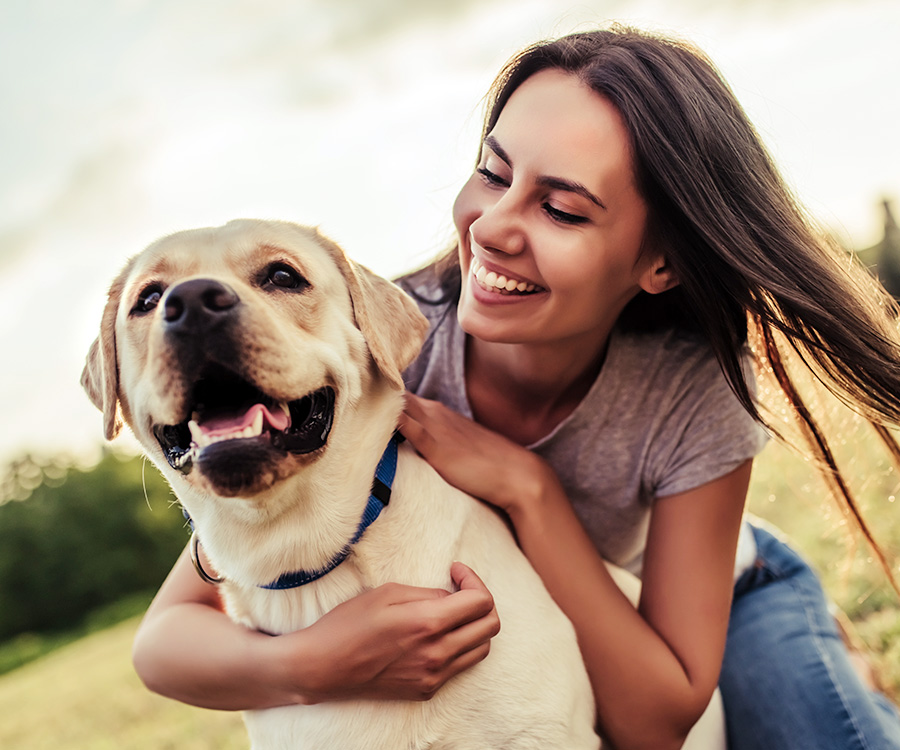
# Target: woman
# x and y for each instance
(622, 226)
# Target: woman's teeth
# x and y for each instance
(498, 282)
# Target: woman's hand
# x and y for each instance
(475, 459)
(395, 642)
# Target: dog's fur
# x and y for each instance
(295, 316)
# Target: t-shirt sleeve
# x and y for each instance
(706, 433)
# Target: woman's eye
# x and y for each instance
(281, 275)
(563, 216)
(148, 299)
(491, 178)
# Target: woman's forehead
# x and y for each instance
(557, 125)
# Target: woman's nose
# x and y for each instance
(500, 227)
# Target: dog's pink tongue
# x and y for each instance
(216, 426)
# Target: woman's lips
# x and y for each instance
(499, 283)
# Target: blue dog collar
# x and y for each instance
(379, 497)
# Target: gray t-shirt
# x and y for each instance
(660, 419)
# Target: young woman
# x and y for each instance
(588, 372)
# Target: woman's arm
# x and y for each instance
(393, 642)
(653, 669)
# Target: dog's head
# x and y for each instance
(229, 351)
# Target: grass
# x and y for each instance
(788, 491)
(85, 695)
(25, 648)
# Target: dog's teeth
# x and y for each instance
(185, 462)
(257, 426)
(200, 440)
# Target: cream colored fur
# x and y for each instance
(355, 332)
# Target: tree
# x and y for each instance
(73, 539)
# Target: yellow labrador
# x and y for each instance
(261, 371)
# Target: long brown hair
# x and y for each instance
(744, 251)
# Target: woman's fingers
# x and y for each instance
(469, 622)
(413, 421)
(471, 457)
(403, 642)
(442, 612)
(460, 635)
(470, 603)
(466, 578)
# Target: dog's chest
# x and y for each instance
(278, 612)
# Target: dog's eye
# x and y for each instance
(283, 276)
(148, 299)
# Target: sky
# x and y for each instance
(125, 120)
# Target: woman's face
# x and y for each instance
(550, 224)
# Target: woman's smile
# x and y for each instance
(501, 282)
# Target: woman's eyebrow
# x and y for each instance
(558, 183)
(495, 146)
(555, 183)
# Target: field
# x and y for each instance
(85, 696)
(789, 492)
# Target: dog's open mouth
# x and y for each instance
(226, 408)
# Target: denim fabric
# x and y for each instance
(786, 682)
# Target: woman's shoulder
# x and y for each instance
(673, 385)
(668, 350)
(669, 367)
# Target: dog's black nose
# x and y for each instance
(197, 305)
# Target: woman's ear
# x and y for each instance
(658, 277)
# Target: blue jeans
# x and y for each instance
(786, 682)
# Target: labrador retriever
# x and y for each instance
(260, 369)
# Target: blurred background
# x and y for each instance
(124, 120)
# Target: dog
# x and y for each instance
(261, 371)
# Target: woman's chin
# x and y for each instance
(490, 316)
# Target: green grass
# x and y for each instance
(25, 648)
(86, 696)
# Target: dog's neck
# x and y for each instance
(379, 497)
(305, 520)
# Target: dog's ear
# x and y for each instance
(389, 319)
(100, 377)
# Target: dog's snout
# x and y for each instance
(197, 304)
